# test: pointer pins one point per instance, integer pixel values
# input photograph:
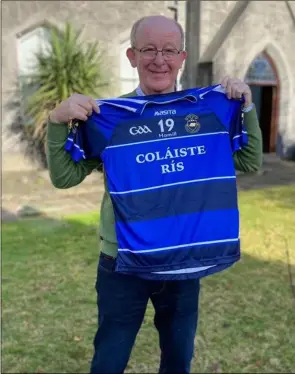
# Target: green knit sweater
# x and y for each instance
(65, 173)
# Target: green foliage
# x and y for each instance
(66, 66)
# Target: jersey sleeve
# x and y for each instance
(74, 144)
(230, 114)
(89, 139)
(237, 130)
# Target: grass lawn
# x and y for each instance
(247, 313)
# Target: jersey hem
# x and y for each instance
(169, 267)
(185, 276)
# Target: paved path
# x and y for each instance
(34, 189)
(274, 172)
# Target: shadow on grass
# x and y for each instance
(246, 323)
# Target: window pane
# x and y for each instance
(128, 86)
(128, 75)
(261, 71)
(29, 45)
(126, 70)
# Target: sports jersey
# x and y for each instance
(168, 162)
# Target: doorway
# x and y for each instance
(263, 82)
(263, 98)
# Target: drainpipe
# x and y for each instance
(192, 41)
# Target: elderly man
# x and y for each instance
(157, 53)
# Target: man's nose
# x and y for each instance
(159, 60)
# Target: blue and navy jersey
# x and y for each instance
(168, 162)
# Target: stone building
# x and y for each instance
(252, 40)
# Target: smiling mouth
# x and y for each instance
(159, 72)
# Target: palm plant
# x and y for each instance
(67, 66)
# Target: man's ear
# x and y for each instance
(183, 56)
(131, 57)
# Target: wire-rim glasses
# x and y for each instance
(149, 53)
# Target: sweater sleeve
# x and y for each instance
(64, 172)
(249, 158)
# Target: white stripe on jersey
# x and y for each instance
(184, 271)
(178, 246)
(162, 139)
(172, 184)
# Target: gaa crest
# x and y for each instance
(192, 124)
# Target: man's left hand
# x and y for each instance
(235, 89)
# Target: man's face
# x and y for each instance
(157, 73)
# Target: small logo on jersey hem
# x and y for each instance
(192, 123)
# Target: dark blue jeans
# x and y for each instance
(122, 301)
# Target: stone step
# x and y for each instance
(86, 199)
(66, 210)
(61, 194)
(38, 182)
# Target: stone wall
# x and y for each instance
(213, 14)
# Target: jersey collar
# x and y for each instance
(139, 91)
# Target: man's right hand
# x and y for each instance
(77, 107)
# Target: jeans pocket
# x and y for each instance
(106, 263)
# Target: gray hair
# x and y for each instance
(138, 23)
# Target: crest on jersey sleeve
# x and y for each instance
(192, 123)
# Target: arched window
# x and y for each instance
(261, 71)
(29, 44)
(128, 75)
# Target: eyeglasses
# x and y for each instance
(151, 53)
